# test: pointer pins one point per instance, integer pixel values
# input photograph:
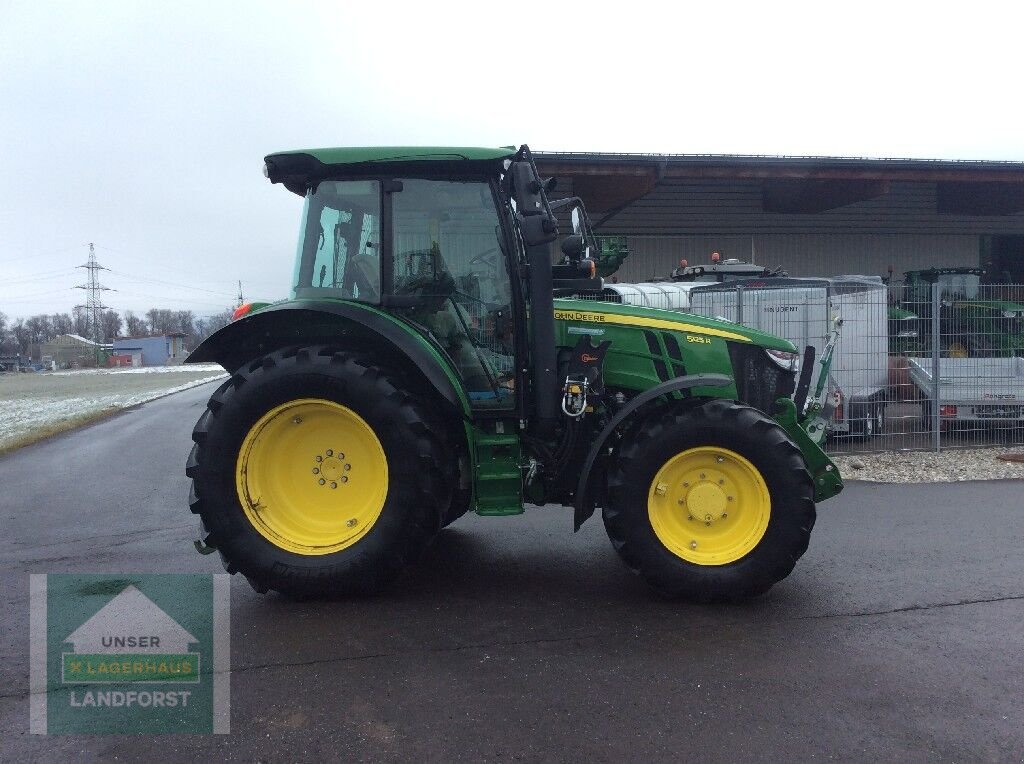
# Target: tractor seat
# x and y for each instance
(366, 276)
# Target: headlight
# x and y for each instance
(906, 334)
(784, 359)
(1011, 314)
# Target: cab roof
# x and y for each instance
(358, 155)
(296, 169)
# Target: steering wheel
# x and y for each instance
(479, 257)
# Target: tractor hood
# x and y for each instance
(901, 314)
(1004, 306)
(592, 311)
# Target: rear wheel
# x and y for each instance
(710, 504)
(315, 473)
(867, 419)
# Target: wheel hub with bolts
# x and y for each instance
(331, 469)
(709, 505)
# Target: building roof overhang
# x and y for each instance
(610, 182)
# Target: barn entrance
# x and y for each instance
(1008, 259)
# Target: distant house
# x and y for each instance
(72, 349)
(154, 350)
(14, 362)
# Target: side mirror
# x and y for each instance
(580, 230)
(573, 247)
(529, 189)
(536, 222)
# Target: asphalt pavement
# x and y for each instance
(900, 635)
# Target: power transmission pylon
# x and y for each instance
(94, 306)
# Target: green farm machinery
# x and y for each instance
(435, 357)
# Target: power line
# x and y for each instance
(146, 279)
(34, 295)
(165, 300)
(38, 277)
(19, 258)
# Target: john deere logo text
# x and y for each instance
(578, 315)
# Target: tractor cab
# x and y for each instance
(974, 319)
(441, 266)
(954, 283)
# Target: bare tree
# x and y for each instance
(111, 322)
(161, 320)
(8, 344)
(81, 322)
(207, 326)
(62, 324)
(135, 326)
(39, 328)
(22, 335)
(185, 319)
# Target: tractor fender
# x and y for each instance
(583, 503)
(308, 322)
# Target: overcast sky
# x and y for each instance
(141, 126)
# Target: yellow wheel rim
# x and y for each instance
(312, 477)
(709, 505)
(958, 350)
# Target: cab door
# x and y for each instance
(449, 264)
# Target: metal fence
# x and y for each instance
(929, 365)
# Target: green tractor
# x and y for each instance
(970, 324)
(904, 331)
(423, 368)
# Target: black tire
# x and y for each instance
(745, 431)
(927, 420)
(420, 472)
(864, 419)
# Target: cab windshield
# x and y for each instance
(963, 285)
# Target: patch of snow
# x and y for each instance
(213, 367)
(196, 367)
(21, 416)
(80, 338)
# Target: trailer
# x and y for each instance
(803, 310)
(974, 391)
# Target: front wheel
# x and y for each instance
(711, 503)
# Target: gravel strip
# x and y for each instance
(947, 466)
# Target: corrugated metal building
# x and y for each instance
(157, 350)
(72, 349)
(813, 216)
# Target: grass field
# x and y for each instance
(35, 406)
